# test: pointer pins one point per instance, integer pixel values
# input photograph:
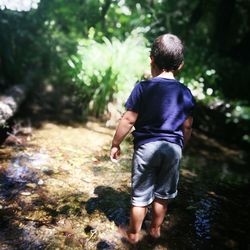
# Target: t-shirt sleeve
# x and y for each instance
(189, 103)
(135, 99)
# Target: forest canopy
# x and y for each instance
(101, 48)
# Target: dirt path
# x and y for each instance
(59, 190)
(59, 200)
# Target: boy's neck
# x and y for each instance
(165, 74)
(155, 71)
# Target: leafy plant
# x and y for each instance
(107, 71)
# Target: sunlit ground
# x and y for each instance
(60, 190)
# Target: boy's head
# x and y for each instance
(167, 52)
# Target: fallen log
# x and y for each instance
(10, 101)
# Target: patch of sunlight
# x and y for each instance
(246, 138)
(126, 11)
(197, 89)
(210, 72)
(71, 64)
(19, 5)
(123, 8)
(188, 173)
(209, 91)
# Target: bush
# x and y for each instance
(104, 72)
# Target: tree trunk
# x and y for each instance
(10, 101)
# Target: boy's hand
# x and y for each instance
(115, 153)
(126, 123)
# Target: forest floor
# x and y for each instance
(59, 190)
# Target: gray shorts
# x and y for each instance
(155, 172)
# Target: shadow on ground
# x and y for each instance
(113, 203)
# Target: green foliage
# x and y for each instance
(238, 113)
(87, 44)
(107, 71)
(29, 43)
(200, 77)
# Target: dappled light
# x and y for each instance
(19, 5)
(66, 71)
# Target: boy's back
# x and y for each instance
(161, 111)
(162, 105)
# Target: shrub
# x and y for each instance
(104, 72)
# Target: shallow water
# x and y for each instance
(206, 208)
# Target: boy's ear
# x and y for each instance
(152, 60)
(181, 66)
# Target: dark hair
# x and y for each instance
(167, 51)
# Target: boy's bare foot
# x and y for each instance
(132, 238)
(155, 232)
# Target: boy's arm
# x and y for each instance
(187, 129)
(126, 123)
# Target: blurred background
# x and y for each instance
(98, 50)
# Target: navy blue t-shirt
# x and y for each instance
(162, 106)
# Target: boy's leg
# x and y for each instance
(166, 184)
(159, 209)
(137, 215)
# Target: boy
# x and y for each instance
(160, 109)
